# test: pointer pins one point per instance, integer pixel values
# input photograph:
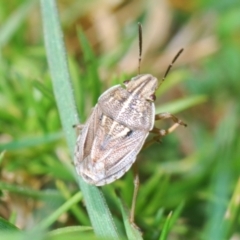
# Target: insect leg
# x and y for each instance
(166, 115)
(135, 191)
(163, 132)
(78, 128)
(134, 199)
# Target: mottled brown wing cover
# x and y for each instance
(113, 136)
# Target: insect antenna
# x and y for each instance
(173, 61)
(140, 46)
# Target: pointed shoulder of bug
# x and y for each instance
(131, 105)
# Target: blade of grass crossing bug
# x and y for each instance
(98, 211)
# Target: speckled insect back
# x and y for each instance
(117, 129)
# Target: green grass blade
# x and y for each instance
(176, 214)
(166, 227)
(233, 210)
(76, 211)
(2, 156)
(25, 191)
(43, 89)
(132, 232)
(6, 226)
(14, 21)
(56, 56)
(65, 207)
(31, 142)
(182, 104)
(226, 135)
(91, 63)
(98, 211)
(66, 231)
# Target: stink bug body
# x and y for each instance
(116, 130)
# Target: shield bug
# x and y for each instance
(118, 126)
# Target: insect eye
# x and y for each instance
(126, 82)
(152, 97)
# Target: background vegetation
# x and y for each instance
(189, 183)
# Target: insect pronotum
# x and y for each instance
(118, 126)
